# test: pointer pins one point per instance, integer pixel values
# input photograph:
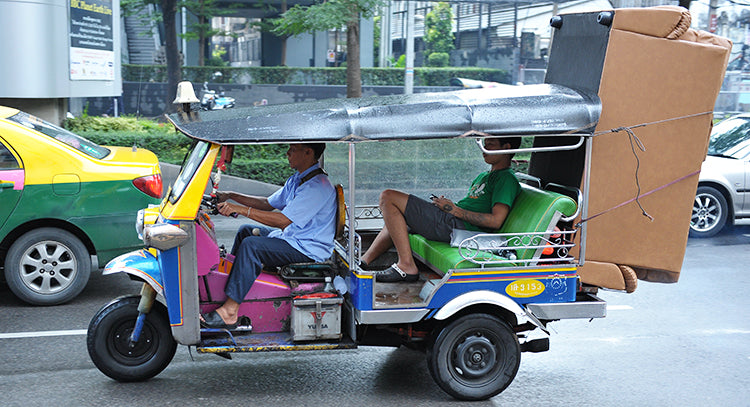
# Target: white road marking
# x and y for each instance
(39, 334)
(618, 307)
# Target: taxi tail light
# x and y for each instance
(150, 185)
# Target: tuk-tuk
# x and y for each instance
(477, 301)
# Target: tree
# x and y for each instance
(330, 15)
(438, 29)
(167, 15)
(203, 10)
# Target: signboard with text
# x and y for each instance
(92, 54)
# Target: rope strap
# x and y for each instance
(639, 196)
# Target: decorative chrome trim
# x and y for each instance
(399, 316)
(589, 307)
(482, 248)
(533, 149)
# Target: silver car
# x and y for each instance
(723, 196)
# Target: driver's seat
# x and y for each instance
(294, 271)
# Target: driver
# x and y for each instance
(302, 230)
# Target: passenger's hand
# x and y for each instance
(445, 204)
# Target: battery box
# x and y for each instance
(316, 316)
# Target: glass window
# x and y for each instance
(419, 167)
(728, 137)
(60, 134)
(7, 160)
(188, 170)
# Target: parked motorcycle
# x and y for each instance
(210, 101)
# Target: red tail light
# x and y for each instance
(149, 185)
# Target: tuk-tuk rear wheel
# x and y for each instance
(474, 357)
(109, 345)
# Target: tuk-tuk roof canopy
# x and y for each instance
(501, 111)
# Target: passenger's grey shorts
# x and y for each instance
(428, 220)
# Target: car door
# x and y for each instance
(11, 181)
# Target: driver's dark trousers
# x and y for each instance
(251, 253)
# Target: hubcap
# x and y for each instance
(706, 213)
(48, 267)
(475, 357)
(129, 353)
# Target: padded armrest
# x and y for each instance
(535, 211)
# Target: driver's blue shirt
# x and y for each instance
(312, 209)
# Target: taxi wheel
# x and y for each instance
(474, 357)
(108, 341)
(47, 266)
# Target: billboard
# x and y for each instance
(92, 54)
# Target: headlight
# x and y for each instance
(164, 236)
(148, 216)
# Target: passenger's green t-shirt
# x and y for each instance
(488, 189)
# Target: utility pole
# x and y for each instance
(409, 71)
(385, 35)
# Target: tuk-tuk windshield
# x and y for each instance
(188, 170)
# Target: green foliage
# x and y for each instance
(438, 59)
(400, 63)
(325, 16)
(266, 163)
(438, 30)
(423, 76)
(87, 123)
(217, 57)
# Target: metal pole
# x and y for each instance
(352, 209)
(586, 189)
(409, 72)
(183, 29)
(385, 35)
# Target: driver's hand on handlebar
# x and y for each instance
(227, 209)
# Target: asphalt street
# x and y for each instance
(684, 344)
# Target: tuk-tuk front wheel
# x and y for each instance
(109, 345)
(474, 357)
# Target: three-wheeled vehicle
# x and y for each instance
(470, 311)
(480, 300)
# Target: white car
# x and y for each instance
(723, 196)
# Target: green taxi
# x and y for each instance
(66, 205)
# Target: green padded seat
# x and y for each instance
(534, 210)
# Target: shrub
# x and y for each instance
(265, 163)
(423, 76)
(438, 59)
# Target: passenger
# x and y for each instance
(484, 208)
(304, 228)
